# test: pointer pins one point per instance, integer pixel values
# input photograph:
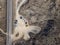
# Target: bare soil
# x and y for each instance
(38, 12)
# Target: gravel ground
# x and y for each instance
(43, 13)
(2, 21)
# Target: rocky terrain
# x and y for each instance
(43, 13)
